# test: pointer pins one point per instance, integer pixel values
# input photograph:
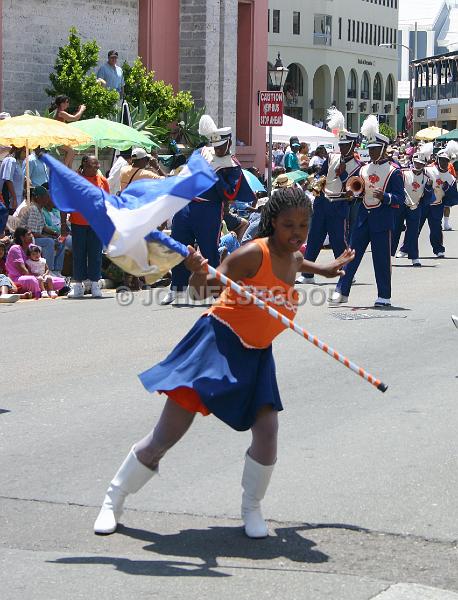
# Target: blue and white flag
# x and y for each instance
(123, 222)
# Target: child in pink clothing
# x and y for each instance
(16, 265)
(37, 266)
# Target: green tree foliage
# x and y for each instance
(70, 77)
(155, 102)
(385, 129)
(141, 87)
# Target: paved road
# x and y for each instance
(363, 503)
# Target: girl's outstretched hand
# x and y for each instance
(195, 262)
(334, 269)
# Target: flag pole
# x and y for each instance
(377, 383)
(382, 387)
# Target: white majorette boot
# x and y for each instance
(255, 480)
(131, 476)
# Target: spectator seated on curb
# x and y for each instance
(8, 291)
(37, 266)
(228, 244)
(32, 218)
(16, 266)
(255, 218)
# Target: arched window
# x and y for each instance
(389, 91)
(294, 82)
(365, 86)
(352, 84)
(377, 87)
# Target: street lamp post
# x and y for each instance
(395, 45)
(277, 77)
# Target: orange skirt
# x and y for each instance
(188, 399)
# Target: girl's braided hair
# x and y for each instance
(280, 200)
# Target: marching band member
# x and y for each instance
(416, 184)
(200, 221)
(331, 208)
(443, 193)
(383, 192)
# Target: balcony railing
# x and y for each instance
(447, 91)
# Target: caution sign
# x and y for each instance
(270, 109)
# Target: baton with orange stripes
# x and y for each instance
(181, 249)
(299, 330)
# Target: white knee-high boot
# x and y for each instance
(131, 476)
(255, 481)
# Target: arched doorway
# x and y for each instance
(352, 101)
(378, 85)
(295, 90)
(389, 89)
(321, 100)
(365, 86)
(338, 96)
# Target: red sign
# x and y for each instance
(270, 109)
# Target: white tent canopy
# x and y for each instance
(314, 136)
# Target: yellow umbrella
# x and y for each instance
(430, 133)
(30, 131)
(27, 130)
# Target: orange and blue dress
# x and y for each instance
(224, 365)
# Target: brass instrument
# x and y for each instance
(355, 185)
(315, 185)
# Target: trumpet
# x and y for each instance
(355, 185)
(316, 185)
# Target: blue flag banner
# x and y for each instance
(123, 222)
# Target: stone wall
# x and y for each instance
(208, 51)
(34, 30)
(193, 24)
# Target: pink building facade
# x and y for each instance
(191, 44)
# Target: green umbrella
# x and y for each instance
(297, 176)
(451, 135)
(111, 134)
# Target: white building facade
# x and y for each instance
(332, 49)
(428, 30)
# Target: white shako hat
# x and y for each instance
(216, 136)
(336, 121)
(450, 152)
(370, 130)
(424, 153)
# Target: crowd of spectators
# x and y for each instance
(45, 253)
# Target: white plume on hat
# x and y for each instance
(335, 119)
(451, 150)
(370, 127)
(207, 126)
(425, 151)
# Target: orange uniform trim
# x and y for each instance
(232, 197)
(188, 399)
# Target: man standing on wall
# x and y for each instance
(112, 74)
